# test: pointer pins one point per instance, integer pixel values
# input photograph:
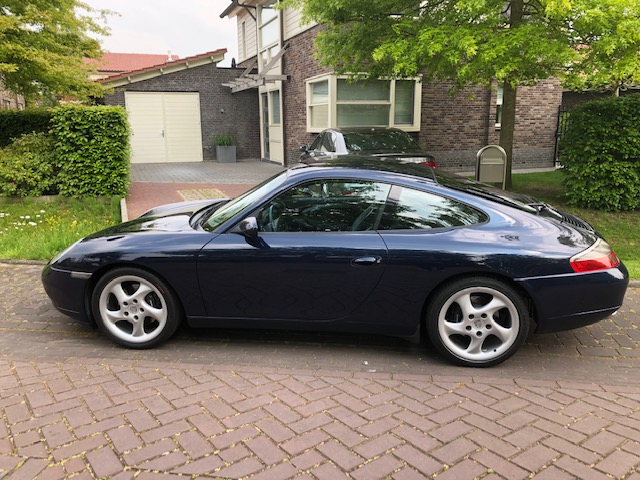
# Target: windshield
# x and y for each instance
(235, 206)
(380, 141)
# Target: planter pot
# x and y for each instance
(226, 154)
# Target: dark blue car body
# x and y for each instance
(377, 281)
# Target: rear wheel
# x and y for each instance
(477, 321)
(135, 308)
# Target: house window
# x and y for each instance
(318, 105)
(269, 33)
(499, 95)
(6, 104)
(338, 102)
(275, 107)
(243, 39)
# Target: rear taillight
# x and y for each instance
(430, 163)
(598, 257)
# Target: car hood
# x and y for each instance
(183, 208)
(173, 217)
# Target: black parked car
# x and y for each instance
(377, 142)
(356, 245)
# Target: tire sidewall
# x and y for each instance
(444, 294)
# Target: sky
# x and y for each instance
(185, 27)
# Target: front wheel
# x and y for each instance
(135, 308)
(477, 321)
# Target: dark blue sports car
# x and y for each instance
(362, 245)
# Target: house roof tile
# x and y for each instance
(160, 66)
(127, 62)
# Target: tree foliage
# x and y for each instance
(587, 43)
(42, 44)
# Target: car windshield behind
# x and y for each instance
(380, 141)
(235, 206)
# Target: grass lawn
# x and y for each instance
(37, 230)
(620, 229)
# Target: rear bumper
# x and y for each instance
(565, 302)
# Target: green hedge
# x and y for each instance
(92, 146)
(28, 167)
(15, 123)
(600, 153)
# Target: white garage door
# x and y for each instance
(165, 127)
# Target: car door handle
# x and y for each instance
(366, 261)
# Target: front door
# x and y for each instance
(315, 276)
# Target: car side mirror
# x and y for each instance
(304, 148)
(247, 227)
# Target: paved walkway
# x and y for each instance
(154, 184)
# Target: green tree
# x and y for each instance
(42, 43)
(586, 43)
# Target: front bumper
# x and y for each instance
(67, 291)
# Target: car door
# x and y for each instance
(316, 257)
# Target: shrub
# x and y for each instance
(92, 145)
(15, 123)
(27, 167)
(600, 153)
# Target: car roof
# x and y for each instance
(372, 164)
(348, 130)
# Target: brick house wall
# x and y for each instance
(453, 127)
(299, 64)
(240, 117)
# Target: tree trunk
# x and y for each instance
(507, 126)
(516, 13)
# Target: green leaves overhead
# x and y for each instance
(588, 43)
(42, 44)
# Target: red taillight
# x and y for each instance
(598, 257)
(430, 163)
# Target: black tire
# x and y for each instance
(134, 308)
(477, 321)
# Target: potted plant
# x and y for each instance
(225, 149)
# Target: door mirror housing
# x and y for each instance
(304, 148)
(247, 227)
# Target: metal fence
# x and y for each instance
(561, 129)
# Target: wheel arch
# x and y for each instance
(102, 271)
(526, 297)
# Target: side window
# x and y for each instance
(328, 144)
(326, 206)
(316, 143)
(410, 209)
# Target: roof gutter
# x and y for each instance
(234, 5)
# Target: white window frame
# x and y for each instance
(332, 103)
(267, 51)
(499, 99)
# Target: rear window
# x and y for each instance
(380, 141)
(409, 209)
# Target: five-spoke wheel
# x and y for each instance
(135, 308)
(477, 321)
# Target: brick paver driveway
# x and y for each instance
(224, 404)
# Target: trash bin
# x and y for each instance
(491, 166)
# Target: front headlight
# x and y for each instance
(64, 252)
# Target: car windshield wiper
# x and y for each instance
(198, 217)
